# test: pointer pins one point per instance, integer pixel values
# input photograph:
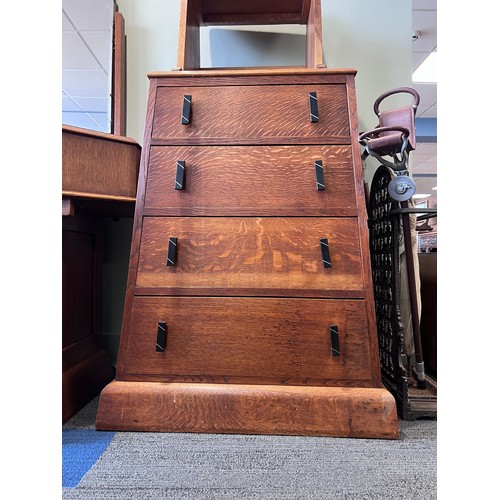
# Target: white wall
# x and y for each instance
(151, 30)
(372, 36)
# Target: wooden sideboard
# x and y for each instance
(249, 304)
(99, 179)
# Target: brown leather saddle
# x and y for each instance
(395, 132)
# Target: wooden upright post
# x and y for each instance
(119, 96)
(314, 58)
(188, 52)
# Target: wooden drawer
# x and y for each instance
(244, 114)
(250, 256)
(245, 180)
(269, 340)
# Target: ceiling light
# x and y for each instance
(421, 196)
(427, 71)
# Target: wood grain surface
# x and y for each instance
(250, 253)
(99, 164)
(244, 180)
(247, 409)
(249, 113)
(248, 304)
(267, 340)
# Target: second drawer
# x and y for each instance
(245, 180)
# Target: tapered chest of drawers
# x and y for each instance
(249, 304)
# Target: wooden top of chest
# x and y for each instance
(264, 71)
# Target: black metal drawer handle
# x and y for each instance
(180, 175)
(172, 251)
(313, 107)
(325, 253)
(161, 336)
(186, 110)
(334, 339)
(320, 177)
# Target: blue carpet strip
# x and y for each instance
(80, 451)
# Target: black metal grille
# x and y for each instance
(384, 260)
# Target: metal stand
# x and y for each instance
(414, 391)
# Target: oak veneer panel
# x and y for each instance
(266, 75)
(248, 113)
(99, 164)
(248, 409)
(250, 253)
(262, 338)
(244, 180)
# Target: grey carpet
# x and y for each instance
(143, 466)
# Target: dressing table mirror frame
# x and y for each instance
(200, 13)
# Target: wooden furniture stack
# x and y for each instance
(99, 180)
(249, 304)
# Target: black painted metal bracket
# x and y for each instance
(325, 253)
(161, 336)
(186, 110)
(320, 177)
(180, 175)
(334, 338)
(172, 251)
(313, 107)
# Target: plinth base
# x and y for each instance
(248, 409)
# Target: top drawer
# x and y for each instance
(253, 114)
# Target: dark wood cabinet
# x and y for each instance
(427, 263)
(86, 366)
(249, 304)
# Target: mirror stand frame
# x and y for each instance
(118, 85)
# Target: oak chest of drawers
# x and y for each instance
(249, 305)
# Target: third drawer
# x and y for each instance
(296, 256)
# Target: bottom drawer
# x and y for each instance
(248, 340)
